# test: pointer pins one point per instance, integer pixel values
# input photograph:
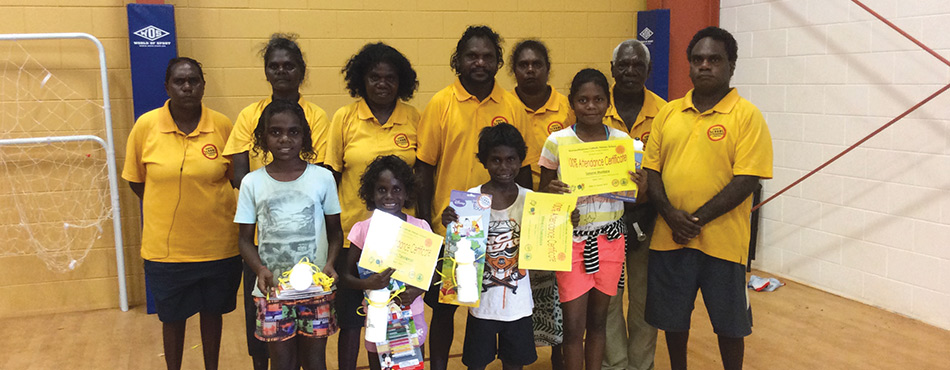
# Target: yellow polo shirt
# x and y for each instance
(188, 205)
(242, 138)
(554, 115)
(355, 139)
(448, 139)
(698, 153)
(641, 128)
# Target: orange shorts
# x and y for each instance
(574, 283)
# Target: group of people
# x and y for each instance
(308, 184)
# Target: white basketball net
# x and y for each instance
(55, 196)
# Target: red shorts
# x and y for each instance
(575, 283)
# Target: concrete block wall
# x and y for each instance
(875, 225)
(225, 36)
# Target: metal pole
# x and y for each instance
(109, 147)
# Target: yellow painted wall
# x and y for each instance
(225, 36)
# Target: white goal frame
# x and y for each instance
(107, 144)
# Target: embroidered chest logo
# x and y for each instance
(499, 120)
(716, 132)
(644, 137)
(401, 140)
(210, 151)
(554, 127)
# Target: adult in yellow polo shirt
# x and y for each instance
(632, 106)
(548, 110)
(376, 124)
(705, 156)
(174, 165)
(631, 342)
(285, 70)
(448, 142)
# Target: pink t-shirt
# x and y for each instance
(357, 236)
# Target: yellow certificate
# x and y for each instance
(598, 167)
(408, 249)
(546, 232)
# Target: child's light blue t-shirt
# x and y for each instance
(289, 216)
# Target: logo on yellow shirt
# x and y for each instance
(401, 140)
(499, 120)
(210, 151)
(554, 127)
(716, 132)
(644, 136)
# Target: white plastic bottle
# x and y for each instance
(377, 315)
(465, 272)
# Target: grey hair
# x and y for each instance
(632, 43)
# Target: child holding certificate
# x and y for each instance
(295, 209)
(387, 185)
(598, 247)
(501, 325)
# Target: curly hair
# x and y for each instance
(529, 44)
(718, 34)
(471, 32)
(272, 109)
(288, 42)
(401, 171)
(588, 75)
(633, 43)
(175, 61)
(502, 134)
(354, 73)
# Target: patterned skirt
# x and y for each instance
(547, 316)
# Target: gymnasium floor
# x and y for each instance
(796, 327)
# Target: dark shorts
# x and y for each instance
(674, 277)
(182, 289)
(348, 302)
(255, 347)
(511, 341)
(431, 297)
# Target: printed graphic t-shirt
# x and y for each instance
(289, 216)
(506, 290)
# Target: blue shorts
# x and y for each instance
(182, 289)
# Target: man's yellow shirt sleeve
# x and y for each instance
(429, 134)
(754, 149)
(651, 153)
